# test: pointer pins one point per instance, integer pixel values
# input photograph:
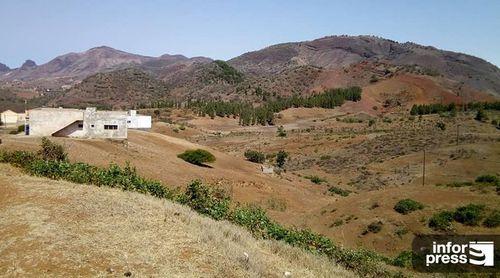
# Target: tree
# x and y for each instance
(281, 158)
(52, 151)
(481, 115)
(255, 156)
(198, 157)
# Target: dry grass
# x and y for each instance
(56, 228)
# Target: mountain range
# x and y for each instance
(103, 74)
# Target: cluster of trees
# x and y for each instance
(227, 73)
(264, 114)
(434, 108)
(423, 109)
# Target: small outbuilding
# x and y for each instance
(9, 117)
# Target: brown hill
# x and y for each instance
(337, 52)
(117, 89)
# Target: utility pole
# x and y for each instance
(423, 170)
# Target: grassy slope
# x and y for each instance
(59, 228)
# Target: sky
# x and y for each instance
(42, 30)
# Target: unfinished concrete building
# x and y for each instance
(88, 123)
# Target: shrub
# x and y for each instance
(281, 157)
(481, 115)
(205, 200)
(441, 125)
(401, 231)
(325, 157)
(255, 156)
(404, 259)
(441, 221)
(371, 122)
(20, 129)
(374, 227)
(52, 151)
(406, 206)
(459, 184)
(494, 180)
(339, 191)
(197, 157)
(470, 214)
(493, 219)
(17, 158)
(253, 218)
(281, 131)
(315, 179)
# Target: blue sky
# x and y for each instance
(41, 30)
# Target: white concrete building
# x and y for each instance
(137, 121)
(9, 117)
(88, 123)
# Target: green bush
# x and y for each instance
(339, 191)
(401, 231)
(281, 131)
(197, 157)
(253, 218)
(209, 201)
(492, 220)
(281, 157)
(441, 221)
(441, 125)
(17, 158)
(470, 214)
(325, 157)
(374, 227)
(494, 180)
(20, 129)
(404, 259)
(406, 206)
(481, 115)
(52, 151)
(255, 156)
(315, 179)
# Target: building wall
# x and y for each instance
(47, 121)
(139, 121)
(94, 123)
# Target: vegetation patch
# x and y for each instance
(255, 156)
(492, 220)
(470, 215)
(489, 179)
(435, 108)
(406, 206)
(281, 158)
(265, 113)
(441, 221)
(374, 227)
(197, 157)
(315, 179)
(339, 191)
